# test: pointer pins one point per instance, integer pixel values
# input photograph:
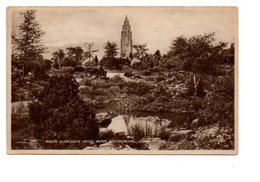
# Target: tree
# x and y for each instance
(96, 59)
(131, 56)
(69, 62)
(60, 114)
(27, 45)
(89, 53)
(200, 55)
(76, 53)
(58, 57)
(140, 51)
(157, 55)
(111, 49)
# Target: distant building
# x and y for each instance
(126, 39)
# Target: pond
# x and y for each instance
(150, 125)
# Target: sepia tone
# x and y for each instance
(122, 80)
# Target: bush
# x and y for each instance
(139, 88)
(79, 69)
(86, 81)
(146, 73)
(73, 121)
(106, 135)
(137, 132)
(164, 134)
(128, 74)
(21, 127)
(69, 62)
(61, 115)
(113, 63)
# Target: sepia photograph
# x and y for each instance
(122, 80)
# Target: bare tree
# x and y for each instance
(90, 50)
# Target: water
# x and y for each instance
(112, 74)
(149, 124)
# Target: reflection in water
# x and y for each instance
(150, 124)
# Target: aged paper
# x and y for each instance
(122, 80)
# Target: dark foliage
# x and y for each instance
(114, 63)
(60, 114)
(69, 62)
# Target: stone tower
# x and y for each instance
(126, 39)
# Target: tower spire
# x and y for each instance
(126, 39)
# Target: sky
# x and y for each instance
(156, 26)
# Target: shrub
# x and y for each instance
(79, 69)
(61, 115)
(21, 127)
(106, 135)
(146, 73)
(119, 136)
(114, 90)
(160, 78)
(86, 81)
(73, 121)
(164, 134)
(139, 88)
(137, 132)
(69, 62)
(128, 74)
(112, 63)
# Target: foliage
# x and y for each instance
(75, 53)
(157, 55)
(110, 63)
(219, 104)
(200, 53)
(79, 69)
(128, 74)
(89, 52)
(28, 44)
(137, 132)
(21, 126)
(69, 62)
(139, 88)
(113, 63)
(111, 49)
(140, 51)
(60, 114)
(58, 57)
(106, 135)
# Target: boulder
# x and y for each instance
(195, 123)
(181, 90)
(135, 62)
(104, 119)
(178, 135)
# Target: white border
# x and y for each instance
(242, 167)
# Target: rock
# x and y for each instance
(128, 74)
(135, 62)
(207, 131)
(153, 143)
(176, 136)
(181, 90)
(195, 123)
(103, 119)
(171, 80)
(211, 131)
